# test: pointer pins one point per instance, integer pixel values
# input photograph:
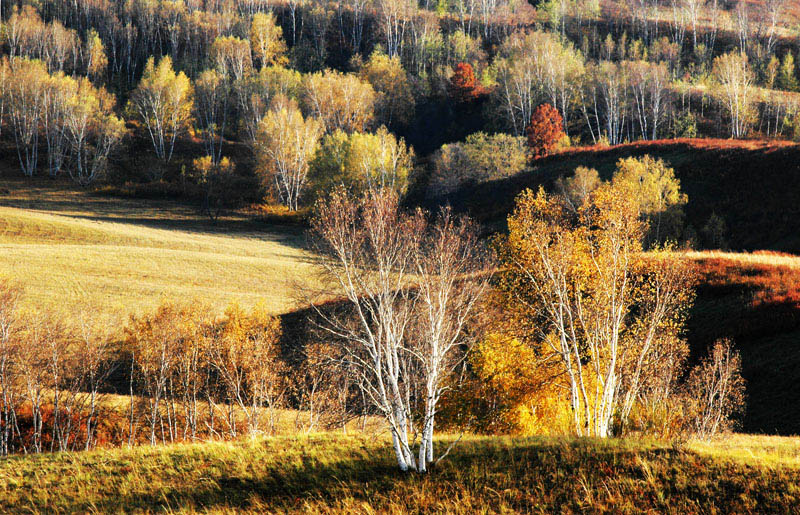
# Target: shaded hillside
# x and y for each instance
(754, 300)
(751, 185)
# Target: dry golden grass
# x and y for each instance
(766, 451)
(117, 256)
(773, 259)
(331, 473)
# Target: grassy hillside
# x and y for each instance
(747, 183)
(334, 473)
(755, 300)
(71, 249)
(118, 255)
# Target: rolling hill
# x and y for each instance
(71, 249)
(754, 299)
(750, 184)
(116, 256)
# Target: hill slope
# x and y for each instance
(754, 299)
(116, 255)
(750, 184)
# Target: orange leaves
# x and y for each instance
(545, 130)
(463, 86)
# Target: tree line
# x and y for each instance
(310, 127)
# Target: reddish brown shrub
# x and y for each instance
(545, 130)
(463, 86)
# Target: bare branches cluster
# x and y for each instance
(51, 377)
(411, 287)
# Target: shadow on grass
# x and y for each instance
(491, 474)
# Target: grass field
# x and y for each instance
(355, 474)
(69, 248)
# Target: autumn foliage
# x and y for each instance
(463, 86)
(545, 130)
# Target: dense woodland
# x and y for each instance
(347, 116)
(374, 86)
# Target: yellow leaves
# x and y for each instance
(648, 182)
(505, 364)
(96, 55)
(163, 336)
(266, 40)
(232, 56)
(285, 143)
(520, 384)
(168, 95)
(249, 341)
(340, 100)
(389, 79)
(575, 285)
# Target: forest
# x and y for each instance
(414, 233)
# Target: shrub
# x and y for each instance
(545, 131)
(715, 391)
(480, 158)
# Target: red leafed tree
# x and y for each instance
(463, 86)
(545, 130)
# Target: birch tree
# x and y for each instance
(57, 92)
(579, 286)
(452, 272)
(245, 353)
(535, 67)
(369, 247)
(340, 101)
(649, 89)
(285, 143)
(25, 96)
(212, 93)
(163, 101)
(10, 394)
(92, 129)
(715, 390)
(773, 11)
(266, 38)
(394, 16)
(256, 92)
(410, 287)
(734, 90)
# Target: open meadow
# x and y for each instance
(118, 256)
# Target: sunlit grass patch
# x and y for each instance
(69, 248)
(331, 473)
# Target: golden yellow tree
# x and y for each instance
(163, 101)
(245, 352)
(92, 129)
(361, 161)
(96, 60)
(285, 143)
(581, 285)
(266, 38)
(655, 191)
(395, 103)
(341, 101)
